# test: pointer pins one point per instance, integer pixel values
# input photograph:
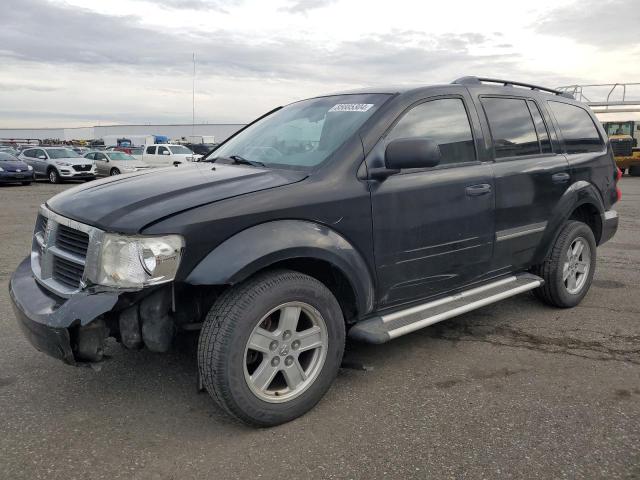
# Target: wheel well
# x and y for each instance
(587, 213)
(333, 278)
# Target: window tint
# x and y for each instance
(511, 127)
(541, 129)
(151, 150)
(444, 121)
(161, 150)
(579, 133)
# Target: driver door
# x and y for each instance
(433, 227)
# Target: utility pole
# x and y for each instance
(193, 98)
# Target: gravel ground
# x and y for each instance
(513, 390)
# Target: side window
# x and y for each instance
(161, 150)
(444, 121)
(39, 153)
(100, 156)
(151, 150)
(511, 127)
(28, 153)
(90, 156)
(578, 130)
(541, 129)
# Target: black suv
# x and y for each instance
(371, 213)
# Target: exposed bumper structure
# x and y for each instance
(48, 321)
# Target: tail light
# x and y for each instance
(618, 176)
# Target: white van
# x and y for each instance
(167, 154)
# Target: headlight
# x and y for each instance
(1, 169)
(136, 262)
(63, 164)
(29, 167)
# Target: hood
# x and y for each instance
(127, 203)
(12, 166)
(73, 160)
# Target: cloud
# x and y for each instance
(216, 5)
(602, 23)
(304, 6)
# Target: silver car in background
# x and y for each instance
(113, 162)
(58, 164)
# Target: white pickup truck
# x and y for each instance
(166, 155)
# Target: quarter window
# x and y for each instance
(578, 130)
(512, 127)
(444, 121)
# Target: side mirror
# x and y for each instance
(166, 153)
(412, 153)
(42, 157)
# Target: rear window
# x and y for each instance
(578, 130)
(511, 126)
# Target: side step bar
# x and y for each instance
(383, 328)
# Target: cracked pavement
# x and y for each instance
(513, 390)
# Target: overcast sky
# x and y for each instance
(90, 62)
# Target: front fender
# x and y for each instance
(579, 193)
(258, 247)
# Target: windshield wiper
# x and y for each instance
(237, 160)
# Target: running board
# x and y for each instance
(383, 328)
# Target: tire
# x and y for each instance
(114, 171)
(559, 269)
(229, 368)
(634, 171)
(54, 176)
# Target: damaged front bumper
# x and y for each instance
(67, 329)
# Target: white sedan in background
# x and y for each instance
(114, 163)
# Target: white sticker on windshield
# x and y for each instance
(351, 107)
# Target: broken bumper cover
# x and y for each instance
(45, 319)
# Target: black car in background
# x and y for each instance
(13, 170)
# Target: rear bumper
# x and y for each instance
(609, 225)
(48, 321)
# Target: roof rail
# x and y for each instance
(508, 83)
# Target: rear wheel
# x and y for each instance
(270, 348)
(114, 171)
(569, 270)
(54, 177)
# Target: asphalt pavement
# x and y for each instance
(513, 390)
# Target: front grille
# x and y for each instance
(622, 147)
(82, 168)
(73, 241)
(60, 251)
(67, 273)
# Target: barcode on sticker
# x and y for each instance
(351, 107)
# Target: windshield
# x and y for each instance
(303, 134)
(62, 153)
(180, 149)
(6, 157)
(120, 156)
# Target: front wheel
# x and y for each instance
(114, 171)
(569, 270)
(54, 177)
(270, 348)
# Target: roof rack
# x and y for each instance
(508, 83)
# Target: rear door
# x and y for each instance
(433, 228)
(150, 155)
(531, 175)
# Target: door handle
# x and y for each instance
(561, 177)
(480, 189)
